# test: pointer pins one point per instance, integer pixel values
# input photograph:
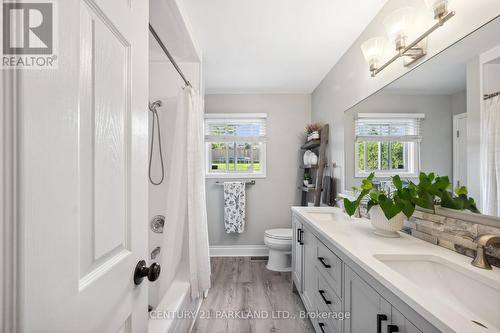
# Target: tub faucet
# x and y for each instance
(483, 241)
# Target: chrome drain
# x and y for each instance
(479, 324)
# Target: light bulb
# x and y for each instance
(440, 7)
(372, 51)
(397, 25)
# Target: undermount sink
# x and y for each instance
(322, 216)
(472, 295)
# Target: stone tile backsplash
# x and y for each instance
(451, 233)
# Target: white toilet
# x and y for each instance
(279, 242)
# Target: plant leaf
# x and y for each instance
(388, 207)
(349, 206)
(461, 190)
(396, 180)
(370, 204)
(406, 206)
(448, 202)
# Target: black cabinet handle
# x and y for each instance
(322, 260)
(301, 235)
(392, 328)
(321, 325)
(322, 293)
(298, 235)
(380, 318)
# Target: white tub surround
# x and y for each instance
(439, 285)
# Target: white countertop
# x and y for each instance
(355, 238)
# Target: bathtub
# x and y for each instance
(176, 312)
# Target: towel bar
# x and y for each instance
(248, 182)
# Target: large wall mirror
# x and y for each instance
(442, 117)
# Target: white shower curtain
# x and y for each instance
(199, 259)
(490, 157)
(186, 204)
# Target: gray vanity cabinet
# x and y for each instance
(329, 282)
(403, 324)
(309, 279)
(303, 249)
(297, 254)
(369, 312)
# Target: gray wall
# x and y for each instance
(349, 81)
(491, 78)
(436, 147)
(270, 199)
(459, 103)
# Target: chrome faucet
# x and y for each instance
(483, 241)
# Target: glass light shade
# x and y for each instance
(440, 7)
(397, 25)
(372, 50)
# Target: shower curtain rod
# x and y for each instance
(488, 96)
(169, 56)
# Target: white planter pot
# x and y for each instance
(383, 226)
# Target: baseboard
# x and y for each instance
(238, 250)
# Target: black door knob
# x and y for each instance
(141, 271)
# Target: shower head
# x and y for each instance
(154, 105)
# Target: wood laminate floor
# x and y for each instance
(242, 290)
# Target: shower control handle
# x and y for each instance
(141, 271)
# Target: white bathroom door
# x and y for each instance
(460, 150)
(83, 173)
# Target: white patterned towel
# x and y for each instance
(234, 207)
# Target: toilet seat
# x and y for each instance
(279, 233)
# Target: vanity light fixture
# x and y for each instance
(440, 7)
(397, 25)
(372, 50)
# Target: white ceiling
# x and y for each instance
(274, 46)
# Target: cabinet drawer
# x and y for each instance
(327, 302)
(325, 326)
(326, 297)
(331, 267)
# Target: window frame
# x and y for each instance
(412, 160)
(411, 151)
(209, 173)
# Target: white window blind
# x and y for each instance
(402, 127)
(251, 128)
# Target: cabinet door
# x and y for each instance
(309, 278)
(403, 325)
(364, 305)
(297, 254)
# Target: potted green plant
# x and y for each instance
(387, 209)
(307, 179)
(433, 190)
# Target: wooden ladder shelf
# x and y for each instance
(319, 147)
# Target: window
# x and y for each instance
(236, 145)
(388, 144)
